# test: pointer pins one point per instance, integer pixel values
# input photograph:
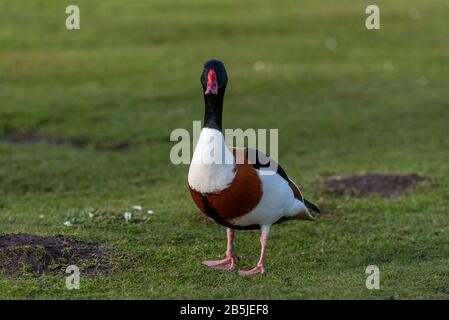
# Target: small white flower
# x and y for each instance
(137, 207)
(91, 215)
(41, 216)
(68, 223)
(150, 212)
(128, 216)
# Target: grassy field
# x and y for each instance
(377, 102)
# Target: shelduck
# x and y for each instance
(240, 195)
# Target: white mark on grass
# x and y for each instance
(41, 216)
(137, 207)
(91, 215)
(150, 212)
(68, 223)
(331, 43)
(128, 216)
(262, 66)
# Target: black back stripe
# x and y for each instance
(264, 161)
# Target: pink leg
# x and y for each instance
(260, 268)
(229, 262)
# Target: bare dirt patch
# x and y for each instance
(384, 185)
(31, 137)
(24, 252)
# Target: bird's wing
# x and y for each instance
(261, 161)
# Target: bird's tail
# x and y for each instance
(307, 211)
(311, 206)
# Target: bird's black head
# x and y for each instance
(214, 78)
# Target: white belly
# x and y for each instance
(277, 201)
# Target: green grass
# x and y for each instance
(377, 103)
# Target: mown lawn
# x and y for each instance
(378, 102)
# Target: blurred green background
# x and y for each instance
(346, 100)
